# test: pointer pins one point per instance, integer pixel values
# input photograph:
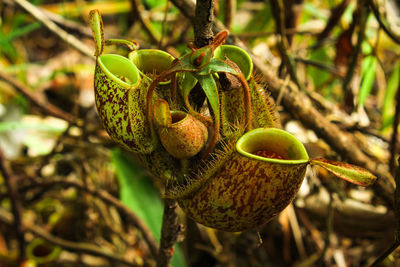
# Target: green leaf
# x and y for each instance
(188, 83)
(210, 88)
(139, 194)
(390, 94)
(184, 64)
(348, 172)
(313, 10)
(368, 71)
(155, 3)
(217, 65)
(6, 126)
(6, 38)
(318, 75)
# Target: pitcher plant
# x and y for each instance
(227, 163)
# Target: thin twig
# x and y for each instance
(230, 10)
(331, 69)
(7, 218)
(292, 12)
(385, 254)
(247, 35)
(170, 232)
(163, 25)
(69, 24)
(106, 197)
(283, 44)
(375, 10)
(11, 182)
(54, 28)
(294, 224)
(137, 9)
(187, 8)
(362, 21)
(45, 106)
(336, 14)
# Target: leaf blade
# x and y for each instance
(210, 88)
(348, 172)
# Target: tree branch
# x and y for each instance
(203, 35)
(169, 233)
(391, 34)
(203, 22)
(37, 101)
(65, 36)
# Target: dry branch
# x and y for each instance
(8, 219)
(40, 102)
(65, 36)
(109, 199)
(170, 232)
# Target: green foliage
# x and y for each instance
(154, 3)
(318, 75)
(260, 21)
(6, 126)
(6, 38)
(140, 195)
(368, 71)
(389, 100)
(347, 172)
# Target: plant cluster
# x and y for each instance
(224, 157)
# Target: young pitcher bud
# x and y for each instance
(185, 137)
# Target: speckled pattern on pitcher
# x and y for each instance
(245, 193)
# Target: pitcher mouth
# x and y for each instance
(178, 117)
(151, 62)
(119, 69)
(272, 145)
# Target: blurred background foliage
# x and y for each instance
(350, 69)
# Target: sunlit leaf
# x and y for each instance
(368, 72)
(155, 3)
(348, 172)
(184, 64)
(318, 75)
(390, 93)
